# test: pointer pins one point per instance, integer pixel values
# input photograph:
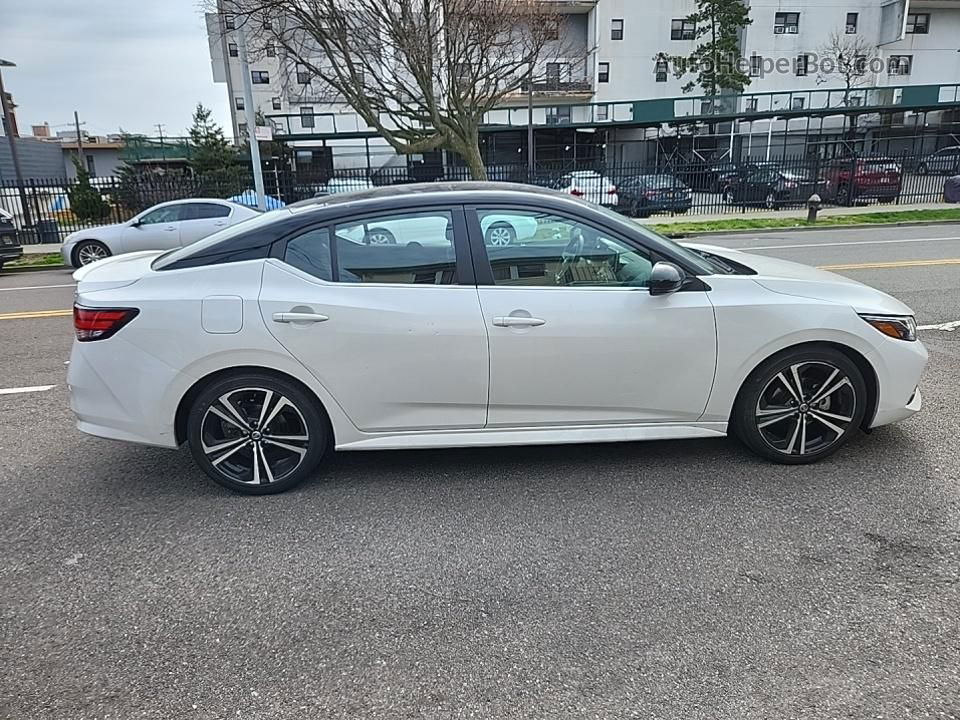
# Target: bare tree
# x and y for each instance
(422, 73)
(847, 58)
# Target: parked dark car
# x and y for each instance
(773, 188)
(740, 172)
(851, 180)
(9, 244)
(706, 176)
(945, 161)
(643, 195)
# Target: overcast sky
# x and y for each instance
(119, 63)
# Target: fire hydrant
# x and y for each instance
(813, 207)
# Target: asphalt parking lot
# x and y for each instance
(658, 580)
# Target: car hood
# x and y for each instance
(100, 232)
(790, 278)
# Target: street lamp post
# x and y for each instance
(8, 129)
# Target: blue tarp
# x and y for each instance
(249, 198)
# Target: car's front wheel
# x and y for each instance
(500, 235)
(89, 251)
(801, 405)
(257, 434)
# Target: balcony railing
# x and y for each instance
(558, 85)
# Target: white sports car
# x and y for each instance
(271, 343)
(162, 227)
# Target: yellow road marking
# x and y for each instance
(896, 264)
(36, 314)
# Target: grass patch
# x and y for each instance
(35, 260)
(825, 221)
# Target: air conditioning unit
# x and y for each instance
(778, 29)
(793, 29)
(851, 29)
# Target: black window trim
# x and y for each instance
(484, 269)
(465, 274)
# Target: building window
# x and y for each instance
(797, 103)
(228, 22)
(91, 166)
(756, 65)
(232, 49)
(683, 30)
(786, 23)
(238, 103)
(602, 113)
(558, 114)
(242, 130)
(661, 70)
(306, 117)
(918, 23)
(751, 105)
(604, 73)
(616, 29)
(303, 77)
(899, 64)
(802, 65)
(551, 30)
(271, 50)
(260, 77)
(852, 19)
(276, 103)
(860, 64)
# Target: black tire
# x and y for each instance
(237, 466)
(728, 196)
(87, 251)
(764, 399)
(886, 200)
(770, 202)
(500, 234)
(682, 211)
(923, 169)
(641, 212)
(379, 236)
(1, 265)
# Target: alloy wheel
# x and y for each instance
(771, 202)
(375, 237)
(806, 408)
(91, 252)
(254, 436)
(498, 236)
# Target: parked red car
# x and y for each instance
(850, 180)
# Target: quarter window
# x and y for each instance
(310, 252)
(406, 249)
(203, 211)
(527, 248)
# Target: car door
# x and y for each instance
(200, 219)
(155, 229)
(575, 336)
(394, 331)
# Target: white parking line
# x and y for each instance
(32, 389)
(841, 244)
(943, 327)
(36, 287)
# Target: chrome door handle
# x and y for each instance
(169, 229)
(512, 321)
(299, 317)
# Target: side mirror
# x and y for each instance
(136, 223)
(665, 278)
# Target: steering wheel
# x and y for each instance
(571, 253)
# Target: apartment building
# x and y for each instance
(607, 53)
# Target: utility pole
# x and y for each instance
(530, 147)
(76, 124)
(8, 129)
(163, 154)
(251, 116)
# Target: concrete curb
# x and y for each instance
(665, 229)
(7, 270)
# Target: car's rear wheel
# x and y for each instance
(257, 434)
(801, 405)
(89, 251)
(886, 200)
(379, 236)
(500, 235)
(770, 202)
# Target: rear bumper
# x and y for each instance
(10, 252)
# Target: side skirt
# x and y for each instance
(534, 436)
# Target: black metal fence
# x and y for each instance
(673, 186)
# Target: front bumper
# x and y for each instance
(10, 252)
(899, 366)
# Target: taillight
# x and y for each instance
(100, 323)
(576, 192)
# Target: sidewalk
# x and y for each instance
(735, 213)
(42, 249)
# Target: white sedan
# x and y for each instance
(163, 227)
(271, 343)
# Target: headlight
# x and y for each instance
(896, 326)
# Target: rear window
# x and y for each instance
(262, 220)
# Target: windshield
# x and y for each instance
(173, 256)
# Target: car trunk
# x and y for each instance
(115, 272)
